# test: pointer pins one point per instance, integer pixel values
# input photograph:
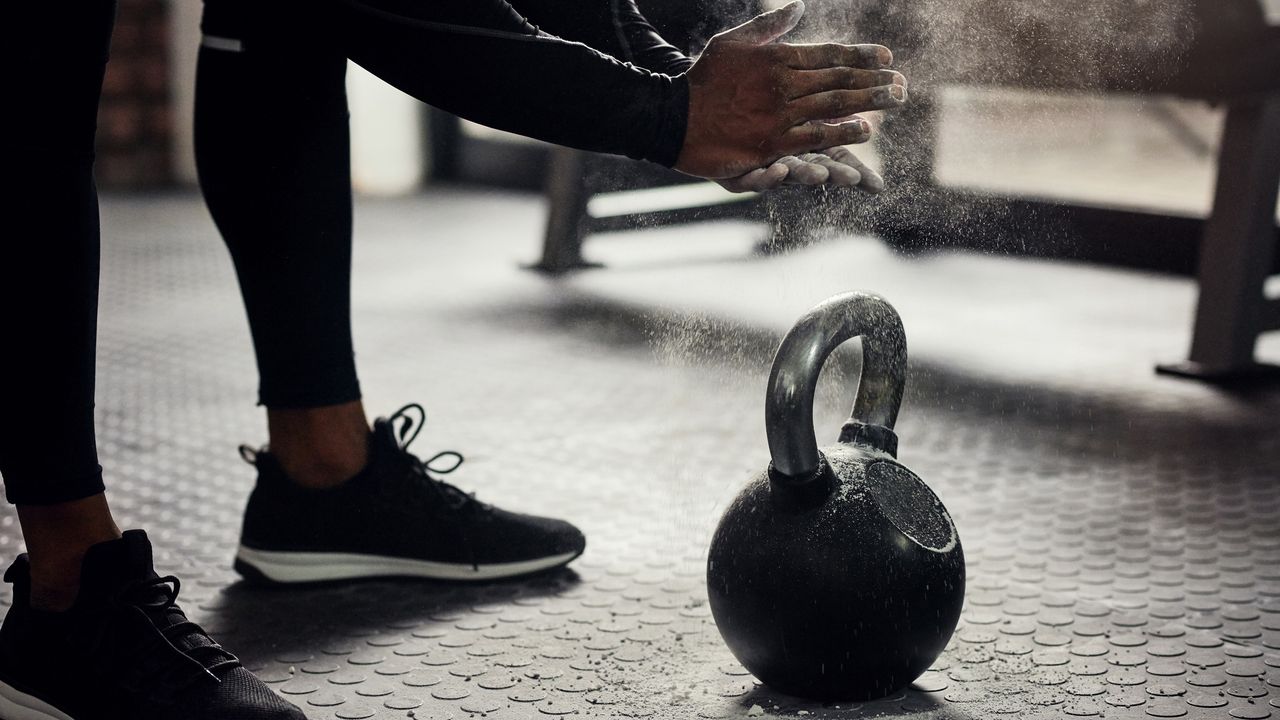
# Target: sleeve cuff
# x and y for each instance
(672, 123)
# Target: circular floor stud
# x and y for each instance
(1166, 709)
(1206, 700)
(326, 699)
(1251, 712)
(402, 703)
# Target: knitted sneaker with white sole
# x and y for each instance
(124, 651)
(394, 519)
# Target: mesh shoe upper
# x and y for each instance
(126, 649)
(396, 507)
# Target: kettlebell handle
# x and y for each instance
(794, 378)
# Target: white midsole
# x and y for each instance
(17, 705)
(319, 566)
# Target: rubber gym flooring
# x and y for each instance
(1122, 530)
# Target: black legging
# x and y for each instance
(273, 150)
(55, 54)
(272, 137)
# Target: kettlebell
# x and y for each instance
(837, 574)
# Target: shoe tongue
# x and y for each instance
(110, 565)
(385, 443)
(384, 431)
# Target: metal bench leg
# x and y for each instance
(1238, 248)
(567, 217)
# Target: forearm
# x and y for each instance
(614, 27)
(523, 81)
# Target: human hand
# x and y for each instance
(753, 100)
(836, 166)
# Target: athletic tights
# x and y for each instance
(272, 148)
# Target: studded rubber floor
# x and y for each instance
(1123, 542)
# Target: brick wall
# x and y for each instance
(135, 126)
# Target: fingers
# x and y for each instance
(837, 173)
(836, 166)
(759, 180)
(839, 103)
(811, 82)
(834, 55)
(803, 171)
(816, 136)
(766, 27)
(870, 179)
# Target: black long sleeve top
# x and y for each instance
(593, 74)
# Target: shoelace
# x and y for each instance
(176, 653)
(409, 427)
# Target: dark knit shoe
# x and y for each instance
(393, 519)
(124, 651)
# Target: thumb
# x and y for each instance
(766, 27)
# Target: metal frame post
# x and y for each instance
(1238, 248)
(567, 196)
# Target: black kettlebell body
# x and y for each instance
(837, 574)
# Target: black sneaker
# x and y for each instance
(124, 651)
(393, 519)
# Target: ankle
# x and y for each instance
(315, 473)
(55, 585)
(57, 538)
(320, 447)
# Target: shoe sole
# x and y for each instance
(307, 567)
(17, 705)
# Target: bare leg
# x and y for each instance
(57, 538)
(320, 447)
